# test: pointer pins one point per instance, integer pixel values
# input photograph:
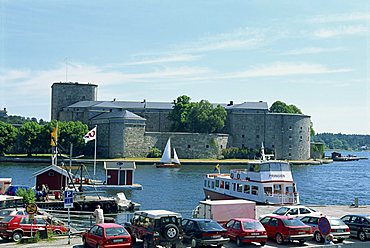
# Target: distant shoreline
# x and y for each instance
(151, 161)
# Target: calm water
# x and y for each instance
(181, 189)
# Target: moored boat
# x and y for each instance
(266, 182)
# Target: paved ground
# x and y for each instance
(77, 243)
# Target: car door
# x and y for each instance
(90, 236)
(237, 228)
(189, 230)
(25, 225)
(293, 212)
(348, 221)
(274, 227)
(266, 223)
(229, 228)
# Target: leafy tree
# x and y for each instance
(281, 107)
(29, 196)
(28, 137)
(8, 135)
(204, 118)
(72, 132)
(199, 117)
(180, 112)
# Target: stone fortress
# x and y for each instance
(131, 129)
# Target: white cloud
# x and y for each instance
(312, 50)
(356, 16)
(342, 31)
(157, 59)
(279, 69)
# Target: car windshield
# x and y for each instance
(5, 212)
(115, 231)
(252, 225)
(293, 222)
(209, 226)
(7, 219)
(336, 222)
(281, 211)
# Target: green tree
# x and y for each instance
(28, 137)
(204, 118)
(72, 132)
(29, 196)
(179, 113)
(154, 152)
(8, 135)
(281, 107)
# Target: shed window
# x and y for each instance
(51, 173)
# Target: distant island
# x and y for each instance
(351, 142)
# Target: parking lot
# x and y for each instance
(77, 243)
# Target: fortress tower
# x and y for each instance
(65, 94)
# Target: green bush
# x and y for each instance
(241, 153)
(154, 152)
(29, 196)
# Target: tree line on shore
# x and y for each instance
(27, 135)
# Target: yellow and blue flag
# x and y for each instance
(217, 168)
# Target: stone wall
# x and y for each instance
(156, 120)
(189, 145)
(65, 94)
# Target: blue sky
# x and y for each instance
(313, 54)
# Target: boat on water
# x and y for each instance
(166, 160)
(340, 158)
(264, 181)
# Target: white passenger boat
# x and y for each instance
(266, 182)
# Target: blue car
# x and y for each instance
(12, 190)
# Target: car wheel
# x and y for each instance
(170, 231)
(301, 242)
(193, 242)
(318, 237)
(361, 236)
(238, 242)
(340, 240)
(17, 236)
(58, 232)
(279, 239)
(263, 243)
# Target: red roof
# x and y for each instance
(109, 225)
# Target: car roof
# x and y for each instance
(281, 217)
(245, 220)
(109, 225)
(157, 213)
(358, 215)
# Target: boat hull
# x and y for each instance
(90, 187)
(168, 165)
(217, 196)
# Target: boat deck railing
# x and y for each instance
(287, 198)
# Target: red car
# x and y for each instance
(17, 226)
(244, 230)
(285, 228)
(107, 235)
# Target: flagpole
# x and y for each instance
(96, 136)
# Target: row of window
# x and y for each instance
(237, 187)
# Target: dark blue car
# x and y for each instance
(204, 232)
(12, 190)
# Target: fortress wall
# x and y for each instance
(156, 120)
(189, 145)
(65, 94)
(288, 135)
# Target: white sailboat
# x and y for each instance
(166, 161)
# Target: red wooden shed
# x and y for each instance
(54, 176)
(119, 172)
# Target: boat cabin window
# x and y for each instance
(289, 189)
(275, 167)
(240, 187)
(247, 189)
(268, 190)
(277, 189)
(209, 184)
(213, 185)
(227, 185)
(222, 185)
(254, 190)
(217, 183)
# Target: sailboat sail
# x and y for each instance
(166, 157)
(175, 157)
